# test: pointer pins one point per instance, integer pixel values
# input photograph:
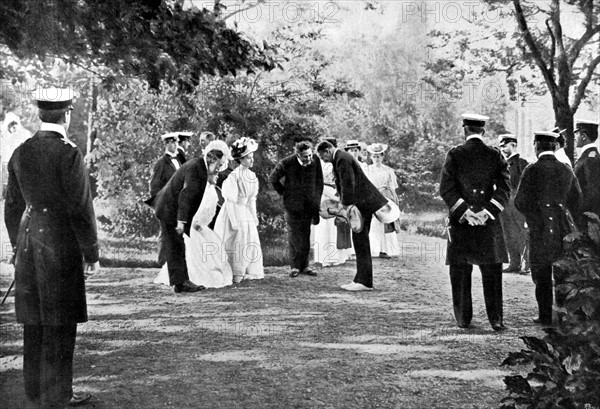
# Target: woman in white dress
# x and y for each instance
(383, 244)
(325, 249)
(204, 254)
(237, 221)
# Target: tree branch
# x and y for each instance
(537, 56)
(579, 44)
(553, 46)
(580, 91)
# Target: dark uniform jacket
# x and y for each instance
(303, 185)
(547, 188)
(587, 170)
(51, 224)
(353, 185)
(164, 169)
(180, 198)
(516, 166)
(475, 176)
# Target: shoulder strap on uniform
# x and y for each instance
(67, 141)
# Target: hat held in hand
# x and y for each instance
(389, 213)
(350, 215)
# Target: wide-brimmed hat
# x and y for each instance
(389, 213)
(243, 147)
(377, 148)
(218, 146)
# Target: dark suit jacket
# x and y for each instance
(163, 171)
(475, 176)
(353, 185)
(587, 170)
(47, 173)
(545, 186)
(180, 198)
(303, 185)
(181, 156)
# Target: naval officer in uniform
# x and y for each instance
(587, 167)
(513, 222)
(548, 190)
(475, 185)
(52, 227)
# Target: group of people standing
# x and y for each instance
(497, 203)
(207, 210)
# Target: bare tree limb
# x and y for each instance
(581, 42)
(535, 51)
(580, 91)
(552, 47)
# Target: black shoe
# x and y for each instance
(542, 321)
(309, 272)
(462, 325)
(525, 272)
(511, 270)
(295, 272)
(384, 255)
(79, 398)
(188, 287)
(496, 326)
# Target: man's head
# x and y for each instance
(184, 140)
(586, 132)
(474, 124)
(206, 138)
(545, 141)
(561, 141)
(508, 144)
(170, 140)
(55, 105)
(304, 152)
(325, 151)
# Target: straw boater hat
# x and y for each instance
(243, 147)
(332, 207)
(352, 143)
(377, 148)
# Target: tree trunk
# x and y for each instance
(563, 118)
(91, 132)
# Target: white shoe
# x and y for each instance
(356, 287)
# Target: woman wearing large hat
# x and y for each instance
(383, 237)
(237, 221)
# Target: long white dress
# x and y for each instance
(236, 225)
(324, 234)
(382, 177)
(205, 256)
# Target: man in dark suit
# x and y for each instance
(475, 185)
(183, 145)
(165, 167)
(513, 222)
(52, 227)
(587, 167)
(177, 203)
(548, 189)
(299, 179)
(355, 189)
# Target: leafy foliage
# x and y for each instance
(156, 40)
(566, 362)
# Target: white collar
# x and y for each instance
(546, 153)
(474, 137)
(588, 146)
(172, 155)
(47, 126)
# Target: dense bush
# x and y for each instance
(566, 362)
